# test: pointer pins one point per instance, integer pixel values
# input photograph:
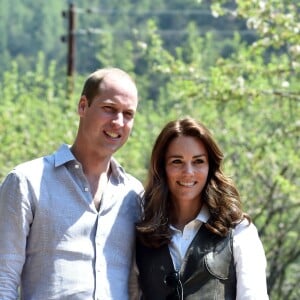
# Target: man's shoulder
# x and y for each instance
(127, 178)
(134, 181)
(42, 162)
(28, 171)
(28, 166)
(36, 166)
(33, 164)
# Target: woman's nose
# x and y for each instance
(188, 168)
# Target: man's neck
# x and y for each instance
(92, 163)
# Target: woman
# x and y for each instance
(194, 240)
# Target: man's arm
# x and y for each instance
(15, 219)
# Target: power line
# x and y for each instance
(162, 32)
(142, 13)
(72, 11)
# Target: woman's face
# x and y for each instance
(186, 168)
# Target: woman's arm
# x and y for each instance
(250, 263)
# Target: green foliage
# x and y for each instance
(34, 122)
(29, 27)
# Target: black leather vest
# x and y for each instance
(207, 273)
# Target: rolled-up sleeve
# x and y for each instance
(15, 219)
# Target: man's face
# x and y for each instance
(106, 124)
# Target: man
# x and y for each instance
(67, 219)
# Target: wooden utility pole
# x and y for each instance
(70, 15)
(71, 41)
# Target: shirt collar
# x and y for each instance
(204, 214)
(116, 170)
(201, 218)
(64, 155)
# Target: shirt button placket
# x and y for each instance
(99, 267)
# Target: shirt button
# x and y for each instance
(86, 189)
(76, 166)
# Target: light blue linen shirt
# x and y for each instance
(54, 244)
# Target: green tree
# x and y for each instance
(33, 116)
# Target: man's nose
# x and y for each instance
(118, 119)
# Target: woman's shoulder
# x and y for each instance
(245, 227)
(246, 234)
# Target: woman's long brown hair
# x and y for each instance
(219, 194)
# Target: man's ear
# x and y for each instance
(82, 105)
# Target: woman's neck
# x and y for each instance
(183, 214)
